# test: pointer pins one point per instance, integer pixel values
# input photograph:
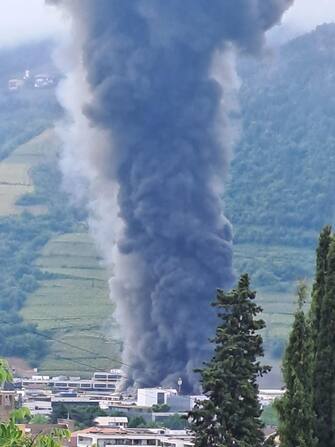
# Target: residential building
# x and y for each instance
(111, 421)
(15, 84)
(7, 404)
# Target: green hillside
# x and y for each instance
(55, 310)
(53, 287)
(282, 179)
(67, 308)
(282, 184)
(74, 307)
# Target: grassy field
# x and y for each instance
(74, 308)
(15, 177)
(268, 265)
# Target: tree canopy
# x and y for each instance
(231, 415)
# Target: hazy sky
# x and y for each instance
(304, 16)
(22, 20)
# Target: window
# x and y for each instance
(100, 376)
(100, 385)
(106, 442)
(160, 398)
(7, 401)
(113, 377)
(85, 385)
(84, 440)
(61, 384)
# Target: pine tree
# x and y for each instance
(324, 365)
(318, 295)
(319, 284)
(231, 415)
(295, 409)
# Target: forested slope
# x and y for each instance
(282, 179)
(282, 183)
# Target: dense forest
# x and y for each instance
(282, 178)
(282, 184)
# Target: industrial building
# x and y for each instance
(103, 437)
(147, 397)
(100, 381)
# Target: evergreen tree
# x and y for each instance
(319, 284)
(231, 415)
(295, 409)
(316, 320)
(324, 365)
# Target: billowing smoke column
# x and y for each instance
(149, 91)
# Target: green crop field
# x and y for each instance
(36, 150)
(75, 308)
(15, 179)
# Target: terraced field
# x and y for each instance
(15, 177)
(270, 264)
(74, 307)
(72, 302)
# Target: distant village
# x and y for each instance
(43, 394)
(30, 80)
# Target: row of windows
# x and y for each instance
(83, 385)
(125, 441)
(102, 376)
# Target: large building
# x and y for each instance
(105, 437)
(100, 382)
(147, 397)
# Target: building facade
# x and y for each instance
(7, 404)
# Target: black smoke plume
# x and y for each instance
(154, 142)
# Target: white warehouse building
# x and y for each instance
(147, 397)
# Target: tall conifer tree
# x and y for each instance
(320, 282)
(324, 366)
(316, 321)
(231, 415)
(295, 408)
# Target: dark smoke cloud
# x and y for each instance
(166, 147)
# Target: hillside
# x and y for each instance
(282, 179)
(64, 269)
(54, 289)
(282, 184)
(55, 310)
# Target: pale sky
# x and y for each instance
(304, 16)
(24, 20)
